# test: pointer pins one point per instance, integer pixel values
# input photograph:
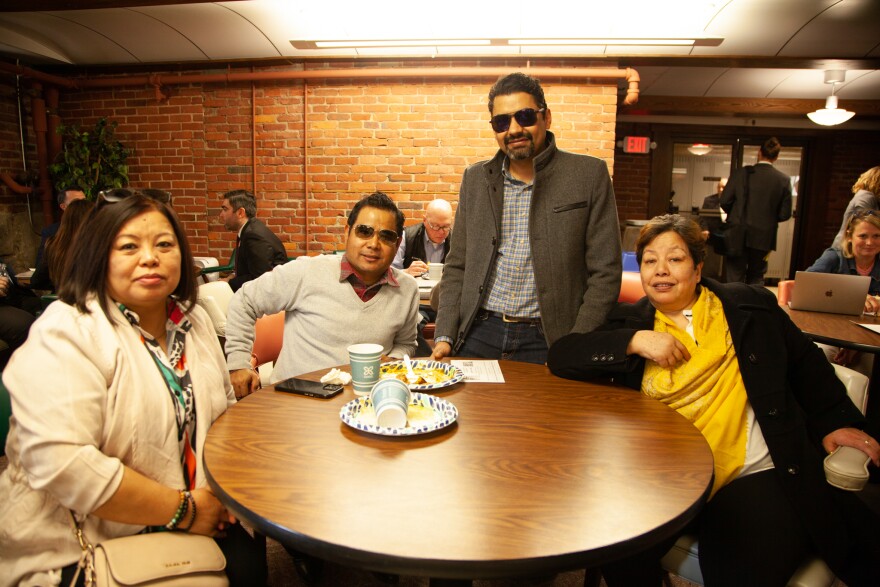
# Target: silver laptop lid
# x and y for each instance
(830, 292)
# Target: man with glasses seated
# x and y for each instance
(427, 242)
(330, 301)
(536, 250)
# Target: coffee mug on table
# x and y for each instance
(365, 359)
(435, 271)
(390, 398)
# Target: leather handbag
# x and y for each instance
(167, 559)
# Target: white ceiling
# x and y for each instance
(770, 48)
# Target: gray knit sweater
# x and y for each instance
(323, 316)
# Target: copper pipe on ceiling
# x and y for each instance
(156, 80)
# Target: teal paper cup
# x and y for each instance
(365, 359)
(390, 398)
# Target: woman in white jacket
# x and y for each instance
(112, 396)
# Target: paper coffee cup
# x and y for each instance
(390, 399)
(365, 359)
(435, 271)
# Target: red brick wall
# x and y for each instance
(852, 156)
(322, 144)
(632, 185)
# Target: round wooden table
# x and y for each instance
(539, 474)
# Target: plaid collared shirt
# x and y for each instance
(347, 273)
(512, 288)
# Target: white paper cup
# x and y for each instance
(435, 271)
(390, 398)
(365, 359)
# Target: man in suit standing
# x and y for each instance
(756, 198)
(257, 249)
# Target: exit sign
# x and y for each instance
(636, 144)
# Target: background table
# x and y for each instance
(840, 330)
(539, 474)
(837, 329)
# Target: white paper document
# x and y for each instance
(873, 327)
(479, 371)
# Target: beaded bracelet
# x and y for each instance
(192, 517)
(178, 515)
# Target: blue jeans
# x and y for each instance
(492, 338)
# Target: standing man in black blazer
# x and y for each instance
(757, 197)
(257, 249)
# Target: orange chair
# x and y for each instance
(783, 291)
(268, 335)
(630, 287)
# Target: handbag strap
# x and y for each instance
(86, 562)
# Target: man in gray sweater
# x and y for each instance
(536, 248)
(330, 301)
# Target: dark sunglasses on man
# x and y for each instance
(118, 194)
(524, 117)
(389, 237)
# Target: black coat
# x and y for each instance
(791, 386)
(259, 250)
(769, 203)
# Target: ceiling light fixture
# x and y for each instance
(831, 114)
(312, 45)
(700, 149)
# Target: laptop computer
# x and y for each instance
(830, 292)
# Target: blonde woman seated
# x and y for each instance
(728, 358)
(858, 255)
(112, 396)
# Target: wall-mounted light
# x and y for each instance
(700, 149)
(831, 114)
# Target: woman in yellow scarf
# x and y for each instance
(728, 359)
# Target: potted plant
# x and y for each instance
(90, 160)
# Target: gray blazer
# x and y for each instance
(575, 241)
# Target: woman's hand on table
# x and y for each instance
(872, 305)
(660, 347)
(855, 438)
(212, 518)
(244, 382)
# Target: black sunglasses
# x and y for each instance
(524, 117)
(389, 237)
(118, 194)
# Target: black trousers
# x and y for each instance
(749, 267)
(751, 535)
(14, 326)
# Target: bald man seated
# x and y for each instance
(427, 242)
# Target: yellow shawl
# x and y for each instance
(708, 389)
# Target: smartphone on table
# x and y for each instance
(309, 388)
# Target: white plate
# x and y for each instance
(432, 413)
(453, 373)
